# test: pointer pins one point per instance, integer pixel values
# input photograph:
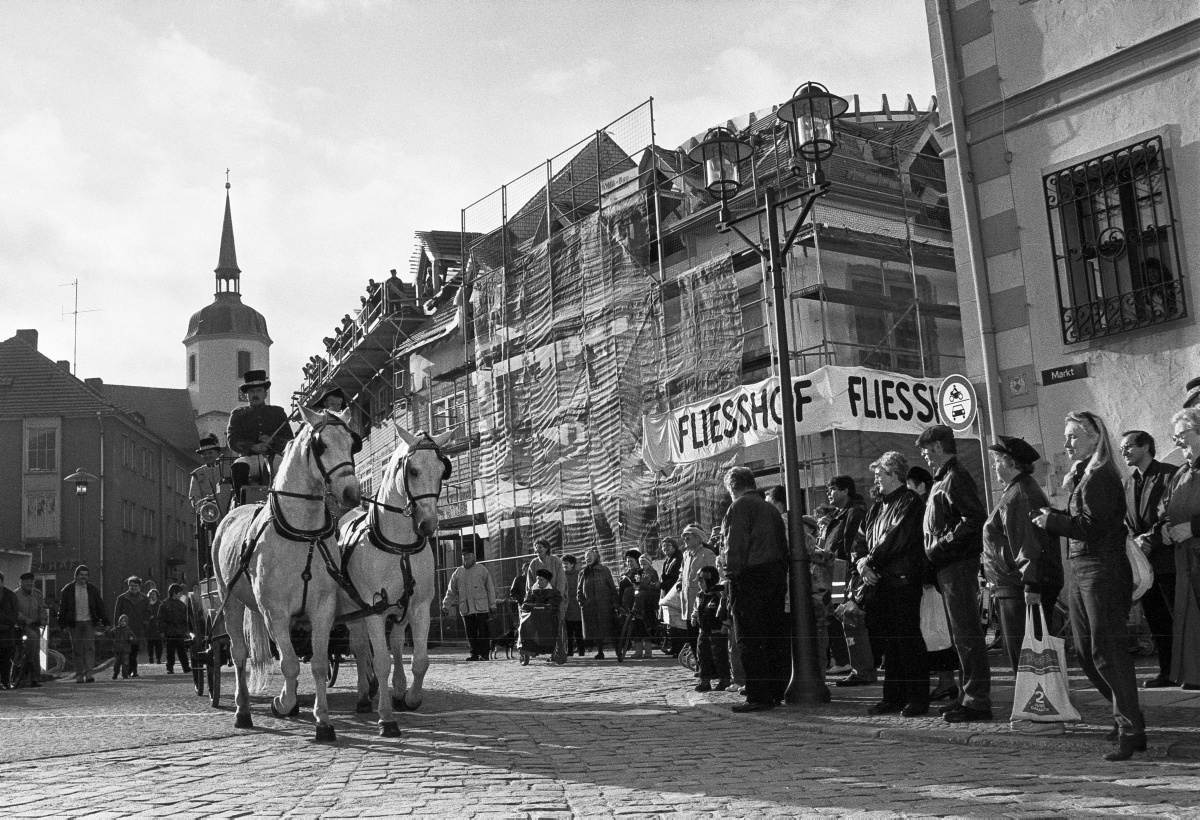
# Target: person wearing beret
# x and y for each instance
(1193, 394)
(258, 430)
(1022, 562)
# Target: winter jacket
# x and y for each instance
(1141, 513)
(137, 607)
(754, 535)
(840, 535)
(1181, 503)
(1017, 556)
(712, 610)
(66, 606)
(891, 538)
(689, 577)
(174, 619)
(470, 590)
(954, 516)
(573, 613)
(598, 601)
(1095, 516)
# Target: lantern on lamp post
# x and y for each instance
(810, 120)
(81, 480)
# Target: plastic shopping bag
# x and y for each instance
(1143, 574)
(1041, 694)
(935, 629)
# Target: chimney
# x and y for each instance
(64, 364)
(95, 383)
(29, 337)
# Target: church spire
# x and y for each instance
(227, 270)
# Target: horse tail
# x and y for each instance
(259, 641)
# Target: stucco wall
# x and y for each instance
(216, 385)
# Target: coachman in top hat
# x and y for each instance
(257, 432)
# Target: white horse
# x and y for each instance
(389, 558)
(263, 557)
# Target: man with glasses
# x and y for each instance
(1147, 484)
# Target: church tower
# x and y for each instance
(223, 341)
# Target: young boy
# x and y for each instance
(122, 637)
(712, 647)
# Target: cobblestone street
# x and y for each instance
(589, 738)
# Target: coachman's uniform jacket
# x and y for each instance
(248, 424)
(205, 481)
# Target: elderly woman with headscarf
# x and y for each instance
(1102, 594)
(893, 568)
(598, 600)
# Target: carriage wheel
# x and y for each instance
(214, 675)
(524, 658)
(198, 672)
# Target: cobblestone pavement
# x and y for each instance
(589, 738)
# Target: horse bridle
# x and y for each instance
(317, 448)
(424, 442)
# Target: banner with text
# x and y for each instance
(843, 398)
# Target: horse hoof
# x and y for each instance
(243, 721)
(295, 710)
(389, 728)
(325, 734)
(400, 704)
(363, 707)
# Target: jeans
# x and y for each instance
(83, 647)
(1158, 604)
(713, 655)
(479, 634)
(1011, 611)
(1100, 602)
(906, 663)
(756, 598)
(959, 584)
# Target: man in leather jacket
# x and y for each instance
(954, 518)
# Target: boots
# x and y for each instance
(1126, 746)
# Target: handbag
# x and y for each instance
(1041, 694)
(1143, 573)
(935, 629)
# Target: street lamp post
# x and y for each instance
(81, 480)
(809, 119)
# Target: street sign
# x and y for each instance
(1067, 373)
(957, 403)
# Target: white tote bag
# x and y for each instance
(1143, 573)
(1042, 694)
(935, 629)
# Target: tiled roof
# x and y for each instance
(227, 314)
(167, 411)
(445, 244)
(31, 384)
(440, 325)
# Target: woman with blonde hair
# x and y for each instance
(1102, 594)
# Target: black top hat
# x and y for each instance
(209, 442)
(253, 378)
(331, 391)
(1018, 448)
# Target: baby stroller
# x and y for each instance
(540, 632)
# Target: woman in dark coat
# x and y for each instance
(1102, 594)
(892, 570)
(598, 600)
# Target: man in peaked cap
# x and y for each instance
(207, 477)
(258, 429)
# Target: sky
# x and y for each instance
(346, 127)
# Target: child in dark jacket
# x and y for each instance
(122, 637)
(712, 646)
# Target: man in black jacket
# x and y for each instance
(756, 561)
(1148, 481)
(954, 517)
(81, 611)
(259, 429)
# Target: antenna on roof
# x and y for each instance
(226, 179)
(75, 313)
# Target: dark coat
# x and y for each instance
(891, 538)
(174, 619)
(842, 531)
(954, 517)
(66, 606)
(598, 600)
(153, 632)
(574, 612)
(712, 610)
(1095, 516)
(137, 607)
(669, 576)
(247, 424)
(1017, 556)
(9, 611)
(754, 535)
(1141, 514)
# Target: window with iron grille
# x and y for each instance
(1116, 257)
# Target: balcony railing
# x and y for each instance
(1136, 309)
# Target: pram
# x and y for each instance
(540, 632)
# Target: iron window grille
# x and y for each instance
(1116, 255)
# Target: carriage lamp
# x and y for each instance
(81, 480)
(720, 152)
(811, 117)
